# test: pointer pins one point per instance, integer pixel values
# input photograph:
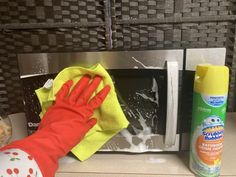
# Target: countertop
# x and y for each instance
(148, 165)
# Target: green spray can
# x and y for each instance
(209, 110)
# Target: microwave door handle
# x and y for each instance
(172, 102)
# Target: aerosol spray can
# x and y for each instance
(209, 110)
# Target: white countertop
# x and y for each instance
(147, 165)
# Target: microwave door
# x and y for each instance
(145, 89)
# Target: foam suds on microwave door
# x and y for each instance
(142, 147)
(144, 133)
(143, 65)
(151, 99)
(155, 90)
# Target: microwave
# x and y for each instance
(154, 88)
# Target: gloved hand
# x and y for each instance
(64, 124)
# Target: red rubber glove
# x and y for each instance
(64, 124)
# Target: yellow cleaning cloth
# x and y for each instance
(110, 117)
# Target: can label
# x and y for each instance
(214, 101)
(207, 134)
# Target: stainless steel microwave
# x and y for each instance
(154, 88)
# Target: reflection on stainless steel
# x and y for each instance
(215, 56)
(154, 144)
(48, 63)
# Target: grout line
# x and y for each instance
(222, 18)
(15, 26)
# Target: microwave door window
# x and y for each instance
(142, 95)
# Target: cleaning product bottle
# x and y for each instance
(209, 109)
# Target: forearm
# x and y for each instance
(15, 162)
(40, 147)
